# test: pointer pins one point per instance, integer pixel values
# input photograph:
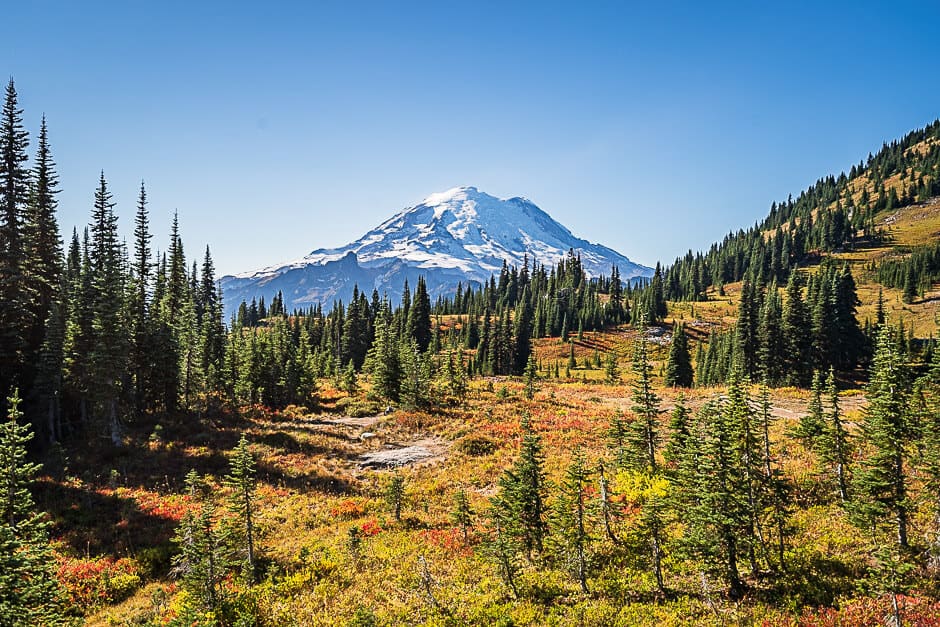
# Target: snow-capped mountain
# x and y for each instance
(461, 235)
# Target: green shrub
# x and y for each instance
(476, 446)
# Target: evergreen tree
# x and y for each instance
(177, 287)
(462, 514)
(43, 244)
(416, 376)
(395, 494)
(139, 301)
(523, 491)
(15, 296)
(204, 558)
(679, 432)
(522, 332)
(29, 591)
(211, 329)
(796, 333)
(823, 317)
(850, 343)
(881, 483)
(611, 370)
(382, 361)
(49, 373)
(644, 436)
(715, 515)
(747, 430)
(746, 340)
(109, 352)
(880, 308)
(531, 378)
(356, 330)
(79, 339)
(419, 317)
(927, 395)
(834, 448)
(813, 424)
(772, 343)
(569, 515)
(349, 382)
(618, 440)
(775, 495)
(242, 482)
(679, 364)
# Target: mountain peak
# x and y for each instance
(462, 191)
(457, 235)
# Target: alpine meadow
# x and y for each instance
(469, 415)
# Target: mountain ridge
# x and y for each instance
(458, 235)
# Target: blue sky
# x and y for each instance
(275, 130)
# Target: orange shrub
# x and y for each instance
(348, 509)
(92, 582)
(451, 540)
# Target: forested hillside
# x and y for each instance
(749, 437)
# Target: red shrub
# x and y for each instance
(91, 582)
(371, 527)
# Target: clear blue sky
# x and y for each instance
(275, 130)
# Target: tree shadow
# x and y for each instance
(94, 522)
(306, 482)
(290, 444)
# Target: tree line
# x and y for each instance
(95, 334)
(832, 214)
(782, 338)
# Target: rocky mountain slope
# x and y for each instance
(460, 235)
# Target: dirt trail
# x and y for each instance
(423, 451)
(417, 449)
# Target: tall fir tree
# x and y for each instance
(796, 333)
(241, 480)
(771, 340)
(522, 332)
(883, 477)
(679, 432)
(383, 361)
(419, 316)
(679, 371)
(15, 296)
(79, 339)
(211, 327)
(139, 303)
(109, 352)
(43, 265)
(644, 430)
(834, 446)
(715, 505)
